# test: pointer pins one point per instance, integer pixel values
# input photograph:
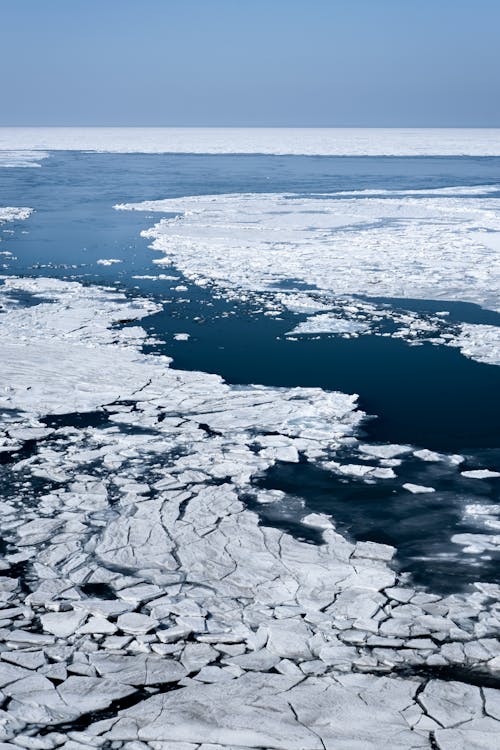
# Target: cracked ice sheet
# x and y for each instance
(430, 244)
(59, 343)
(196, 594)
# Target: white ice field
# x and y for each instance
(309, 141)
(269, 642)
(209, 631)
(434, 244)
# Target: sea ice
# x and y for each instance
(480, 474)
(417, 489)
(143, 569)
(396, 244)
(314, 141)
(328, 324)
(9, 213)
(108, 261)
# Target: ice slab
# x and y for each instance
(328, 324)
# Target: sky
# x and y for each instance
(279, 63)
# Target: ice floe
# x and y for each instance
(440, 244)
(10, 213)
(479, 342)
(417, 489)
(108, 261)
(326, 323)
(480, 474)
(392, 247)
(143, 606)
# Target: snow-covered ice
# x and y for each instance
(429, 244)
(480, 474)
(314, 141)
(327, 323)
(108, 261)
(10, 213)
(143, 570)
(417, 489)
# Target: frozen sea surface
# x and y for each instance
(192, 561)
(310, 141)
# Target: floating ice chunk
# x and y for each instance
(417, 489)
(383, 473)
(319, 520)
(479, 342)
(384, 451)
(303, 303)
(9, 213)
(270, 496)
(480, 474)
(478, 509)
(360, 470)
(328, 324)
(427, 455)
(108, 261)
(354, 470)
(475, 544)
(182, 336)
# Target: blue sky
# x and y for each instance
(374, 63)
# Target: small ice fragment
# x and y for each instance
(319, 520)
(384, 451)
(329, 323)
(480, 474)
(108, 261)
(426, 455)
(417, 489)
(181, 336)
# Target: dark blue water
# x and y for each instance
(426, 396)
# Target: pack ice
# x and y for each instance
(441, 244)
(143, 606)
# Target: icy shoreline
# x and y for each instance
(133, 565)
